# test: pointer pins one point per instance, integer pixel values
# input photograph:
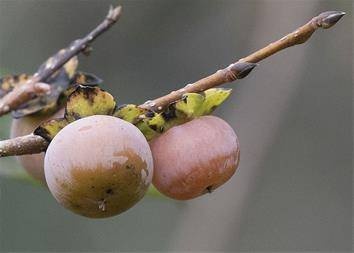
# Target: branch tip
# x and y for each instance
(114, 13)
(328, 19)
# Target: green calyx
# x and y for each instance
(86, 101)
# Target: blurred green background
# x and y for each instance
(293, 116)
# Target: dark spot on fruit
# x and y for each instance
(77, 206)
(109, 191)
(129, 167)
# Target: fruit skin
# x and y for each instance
(98, 166)
(195, 158)
(33, 164)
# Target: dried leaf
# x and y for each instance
(131, 113)
(87, 79)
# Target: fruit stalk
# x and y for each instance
(237, 70)
(35, 86)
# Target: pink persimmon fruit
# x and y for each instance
(194, 158)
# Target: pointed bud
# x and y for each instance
(114, 13)
(242, 69)
(329, 18)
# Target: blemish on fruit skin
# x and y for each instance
(129, 167)
(109, 191)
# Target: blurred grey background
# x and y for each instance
(293, 116)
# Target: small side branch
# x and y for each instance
(31, 88)
(238, 70)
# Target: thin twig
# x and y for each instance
(244, 66)
(23, 93)
(238, 70)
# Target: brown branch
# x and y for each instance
(237, 70)
(245, 65)
(23, 93)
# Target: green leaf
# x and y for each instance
(147, 131)
(190, 104)
(131, 113)
(213, 98)
(157, 122)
